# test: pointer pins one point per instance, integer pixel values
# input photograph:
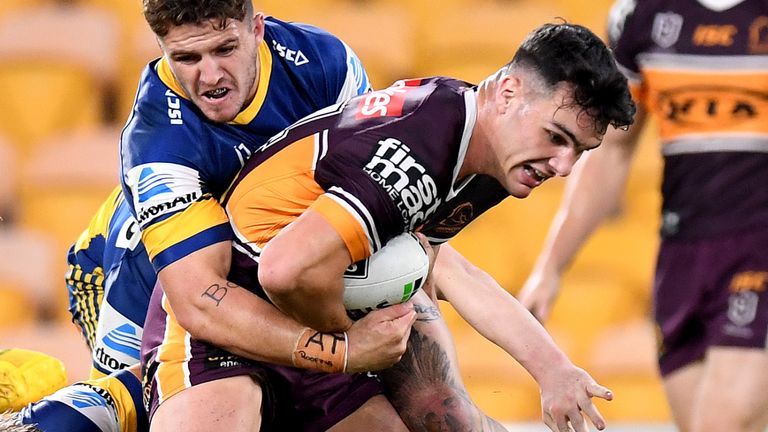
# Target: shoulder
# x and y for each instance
(163, 126)
(317, 56)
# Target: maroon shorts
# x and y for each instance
(294, 399)
(711, 292)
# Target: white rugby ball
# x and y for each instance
(390, 276)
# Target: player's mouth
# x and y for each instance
(533, 176)
(215, 94)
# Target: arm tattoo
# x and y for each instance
(426, 312)
(217, 292)
(424, 389)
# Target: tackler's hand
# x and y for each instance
(378, 340)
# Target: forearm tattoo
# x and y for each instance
(217, 292)
(426, 311)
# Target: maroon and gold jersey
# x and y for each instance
(701, 68)
(375, 166)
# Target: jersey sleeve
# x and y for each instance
(394, 164)
(625, 21)
(164, 166)
(342, 74)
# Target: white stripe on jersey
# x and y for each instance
(358, 210)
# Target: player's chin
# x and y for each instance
(520, 191)
(218, 113)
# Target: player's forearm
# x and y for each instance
(301, 270)
(494, 313)
(217, 311)
(317, 304)
(231, 317)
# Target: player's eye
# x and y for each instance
(184, 58)
(556, 138)
(225, 50)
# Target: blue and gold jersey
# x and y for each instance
(701, 68)
(109, 404)
(176, 163)
(110, 281)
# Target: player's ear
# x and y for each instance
(258, 26)
(507, 90)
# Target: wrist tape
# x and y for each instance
(325, 352)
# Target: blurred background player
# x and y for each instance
(701, 67)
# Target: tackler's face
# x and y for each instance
(539, 134)
(217, 68)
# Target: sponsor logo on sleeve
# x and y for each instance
(295, 56)
(384, 103)
(163, 188)
(405, 180)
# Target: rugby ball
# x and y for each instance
(390, 276)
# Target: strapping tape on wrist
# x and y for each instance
(325, 352)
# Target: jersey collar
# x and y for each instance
(247, 114)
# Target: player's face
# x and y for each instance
(218, 69)
(540, 136)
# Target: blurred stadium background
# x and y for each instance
(68, 72)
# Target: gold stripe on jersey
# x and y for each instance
(265, 71)
(88, 292)
(122, 401)
(275, 193)
(88, 287)
(346, 225)
(199, 216)
(172, 375)
(99, 224)
(279, 190)
(245, 116)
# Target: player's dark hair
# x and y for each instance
(161, 15)
(572, 54)
(9, 422)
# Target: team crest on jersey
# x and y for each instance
(666, 28)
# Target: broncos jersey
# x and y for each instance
(176, 163)
(110, 280)
(109, 404)
(703, 72)
(375, 166)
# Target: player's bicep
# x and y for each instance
(307, 245)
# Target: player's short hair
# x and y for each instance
(9, 422)
(161, 15)
(573, 54)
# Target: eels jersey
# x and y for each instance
(109, 404)
(703, 73)
(176, 163)
(375, 166)
(110, 281)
